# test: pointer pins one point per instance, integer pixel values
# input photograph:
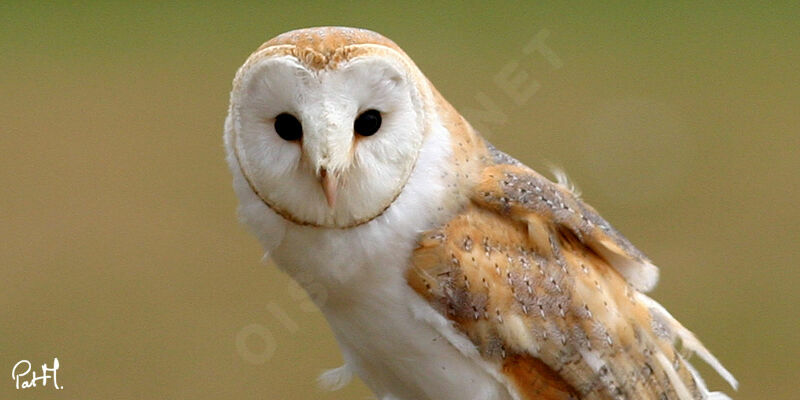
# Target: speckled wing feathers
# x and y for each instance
(521, 193)
(532, 276)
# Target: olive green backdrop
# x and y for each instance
(121, 255)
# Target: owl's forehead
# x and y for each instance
(325, 47)
(329, 38)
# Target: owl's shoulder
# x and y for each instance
(550, 293)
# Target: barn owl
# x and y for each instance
(450, 269)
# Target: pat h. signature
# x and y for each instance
(19, 374)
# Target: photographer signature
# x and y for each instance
(22, 368)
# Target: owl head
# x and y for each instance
(325, 125)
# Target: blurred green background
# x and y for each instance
(121, 254)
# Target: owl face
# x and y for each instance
(326, 138)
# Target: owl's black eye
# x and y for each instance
(288, 127)
(368, 123)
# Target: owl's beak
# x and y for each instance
(329, 185)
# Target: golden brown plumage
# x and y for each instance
(547, 289)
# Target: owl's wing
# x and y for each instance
(550, 294)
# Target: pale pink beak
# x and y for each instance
(329, 185)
